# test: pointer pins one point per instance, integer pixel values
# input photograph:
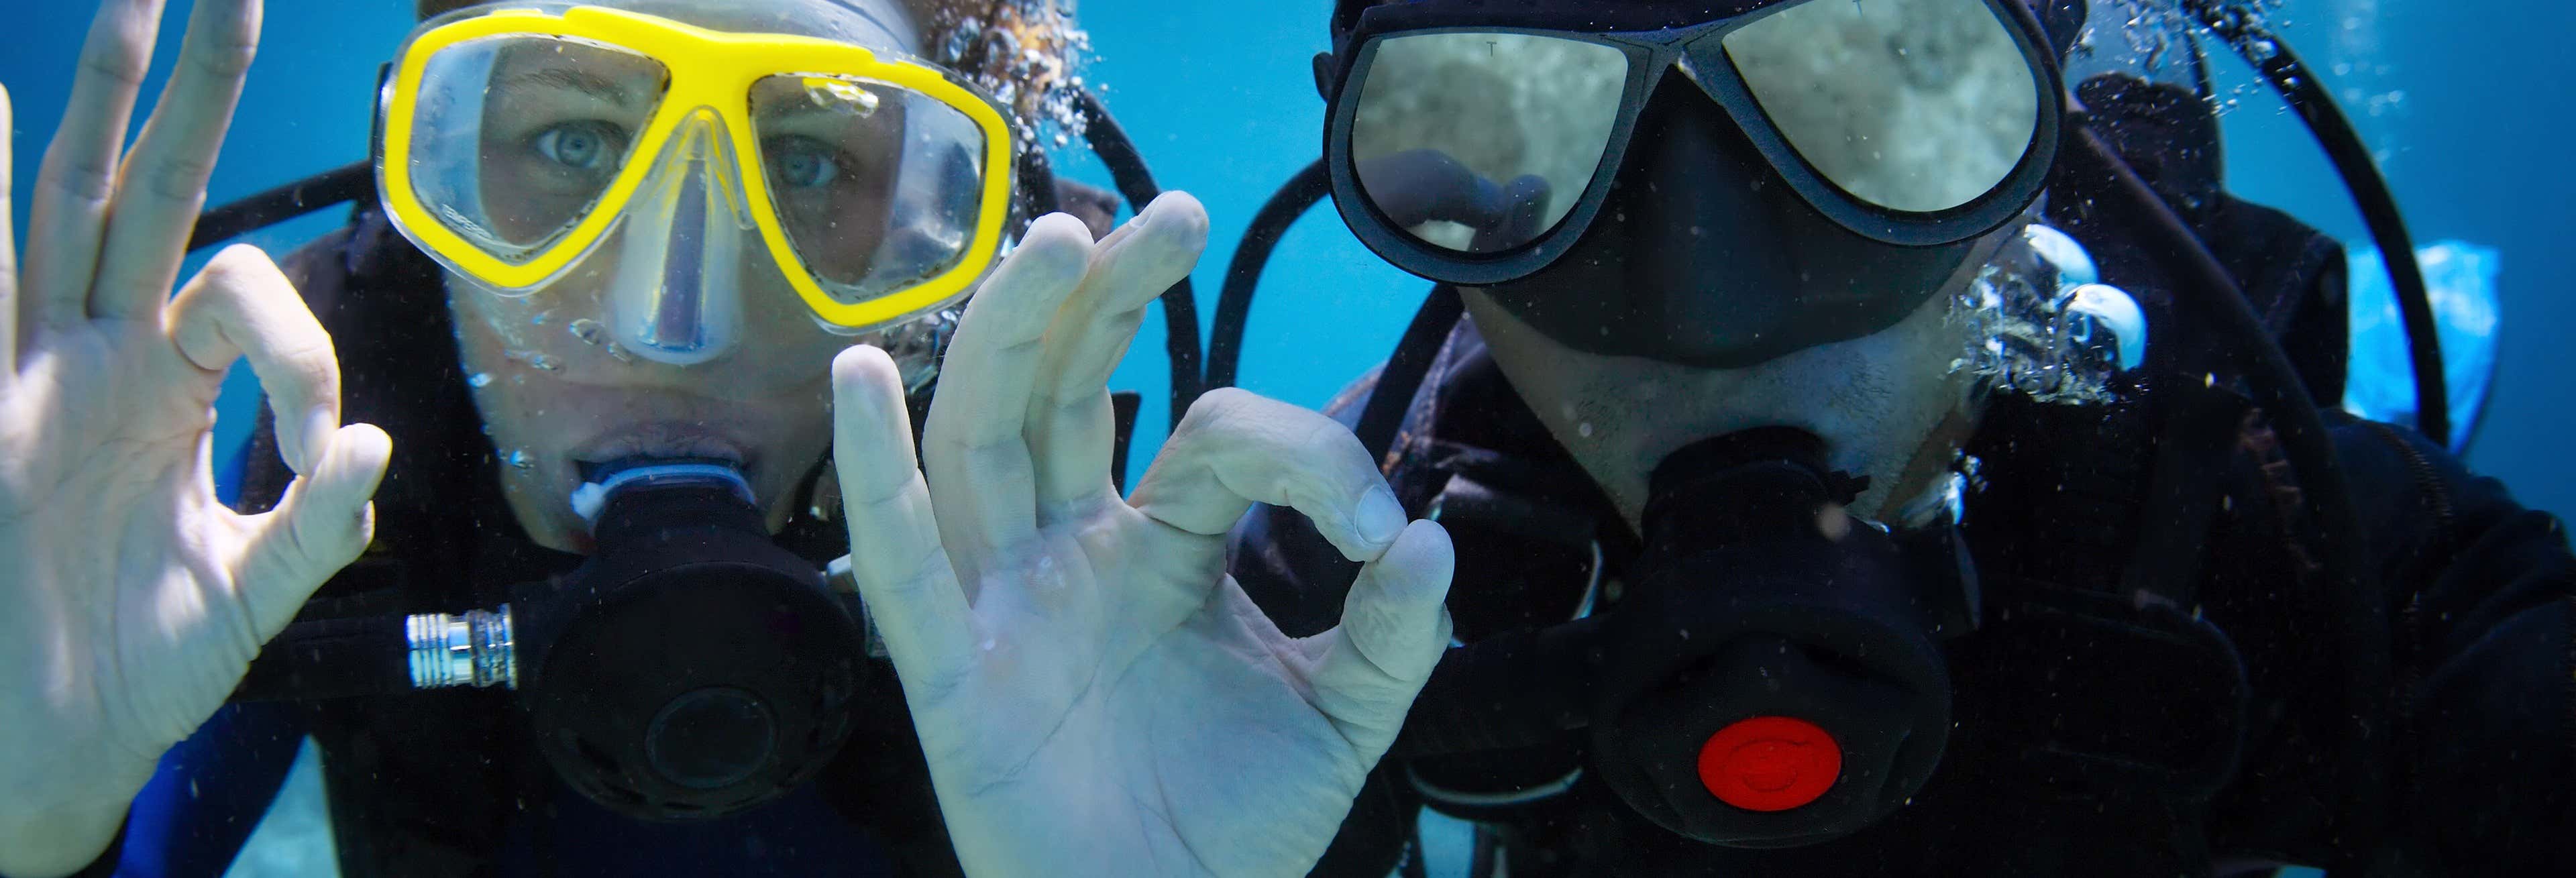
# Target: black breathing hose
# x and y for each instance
(350, 182)
(2298, 85)
(1405, 369)
(1251, 256)
(330, 658)
(1037, 179)
(2205, 288)
(1136, 184)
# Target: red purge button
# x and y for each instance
(1769, 763)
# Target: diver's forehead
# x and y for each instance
(877, 24)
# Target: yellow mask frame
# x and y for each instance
(709, 70)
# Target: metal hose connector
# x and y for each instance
(473, 649)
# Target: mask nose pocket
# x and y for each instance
(676, 298)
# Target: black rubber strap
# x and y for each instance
(1405, 369)
(355, 181)
(1234, 303)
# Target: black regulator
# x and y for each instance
(1775, 678)
(690, 668)
(1771, 674)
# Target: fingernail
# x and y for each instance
(1379, 518)
(319, 424)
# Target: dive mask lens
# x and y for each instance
(514, 139)
(1916, 106)
(1479, 141)
(878, 187)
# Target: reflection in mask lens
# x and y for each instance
(1480, 142)
(1913, 105)
(877, 186)
(516, 136)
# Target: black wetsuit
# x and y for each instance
(2482, 598)
(446, 782)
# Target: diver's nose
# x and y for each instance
(675, 299)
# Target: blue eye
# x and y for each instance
(803, 162)
(587, 146)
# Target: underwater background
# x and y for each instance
(2468, 107)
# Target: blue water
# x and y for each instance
(1221, 100)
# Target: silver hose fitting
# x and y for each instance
(474, 649)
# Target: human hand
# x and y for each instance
(1094, 694)
(131, 599)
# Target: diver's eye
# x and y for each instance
(585, 146)
(803, 162)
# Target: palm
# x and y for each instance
(1093, 693)
(1089, 709)
(95, 518)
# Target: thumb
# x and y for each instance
(323, 523)
(1395, 625)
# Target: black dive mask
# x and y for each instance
(1771, 676)
(1663, 180)
(690, 668)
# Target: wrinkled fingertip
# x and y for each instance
(864, 379)
(1178, 214)
(369, 451)
(869, 418)
(1397, 614)
(1416, 569)
(1056, 236)
(349, 463)
(238, 262)
(859, 363)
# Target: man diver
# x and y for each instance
(636, 272)
(1818, 512)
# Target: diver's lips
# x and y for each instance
(664, 439)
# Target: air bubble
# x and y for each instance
(585, 329)
(520, 459)
(479, 380)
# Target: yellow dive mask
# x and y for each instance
(514, 140)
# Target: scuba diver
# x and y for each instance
(1821, 505)
(638, 298)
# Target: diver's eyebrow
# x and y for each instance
(583, 81)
